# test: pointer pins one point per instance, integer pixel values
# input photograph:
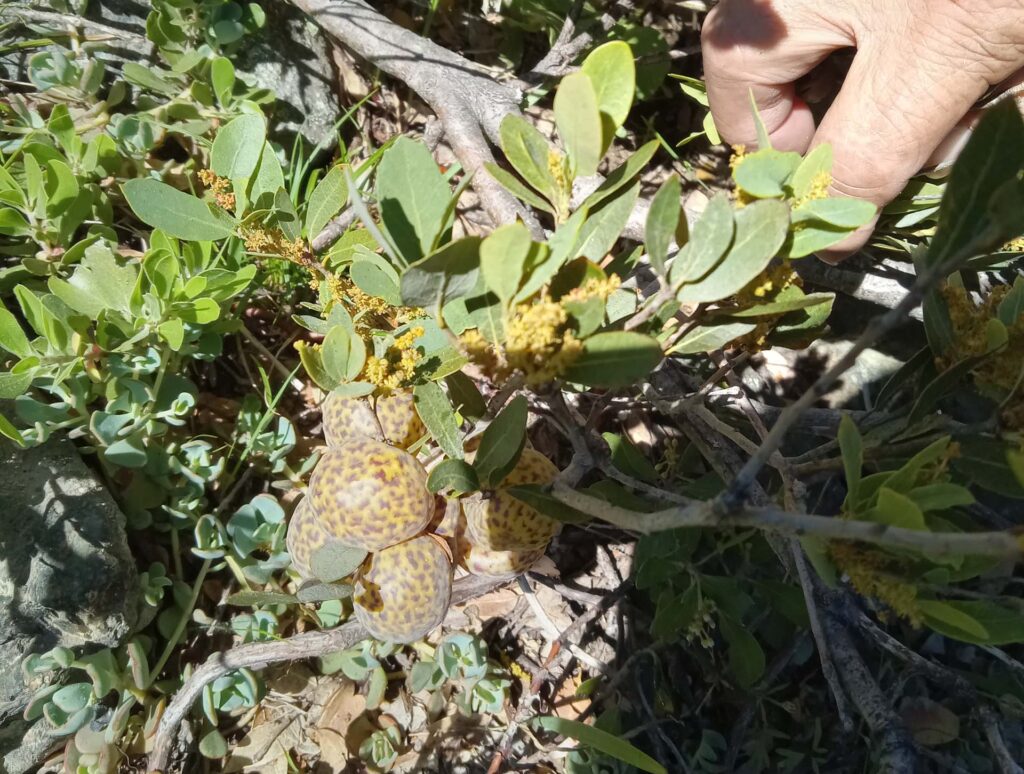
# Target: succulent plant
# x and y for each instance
(403, 592)
(497, 521)
(305, 537)
(497, 564)
(370, 495)
(391, 418)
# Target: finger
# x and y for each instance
(762, 49)
(897, 105)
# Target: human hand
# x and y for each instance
(920, 66)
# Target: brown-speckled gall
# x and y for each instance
(403, 592)
(391, 418)
(497, 521)
(494, 564)
(371, 495)
(305, 537)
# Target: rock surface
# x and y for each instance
(66, 575)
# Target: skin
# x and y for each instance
(906, 103)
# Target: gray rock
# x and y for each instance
(290, 56)
(66, 576)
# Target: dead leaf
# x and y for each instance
(930, 723)
(335, 723)
(264, 750)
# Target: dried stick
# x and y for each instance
(994, 735)
(258, 655)
(735, 495)
(469, 102)
(773, 519)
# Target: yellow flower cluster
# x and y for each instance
(970, 326)
(538, 341)
(703, 623)
(871, 575)
(219, 188)
(273, 242)
(817, 190)
(594, 288)
(398, 365)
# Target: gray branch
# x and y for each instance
(467, 99)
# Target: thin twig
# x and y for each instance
(735, 494)
(258, 655)
(773, 519)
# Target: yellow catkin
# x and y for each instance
(398, 364)
(999, 374)
(219, 188)
(818, 189)
(594, 288)
(538, 342)
(871, 575)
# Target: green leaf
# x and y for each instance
(313, 591)
(896, 510)
(629, 459)
(761, 228)
(127, 453)
(528, 153)
(615, 359)
(622, 175)
(222, 78)
(711, 237)
(790, 300)
(612, 73)
(503, 257)
(746, 657)
(437, 414)
(150, 78)
(269, 176)
(536, 496)
(327, 199)
(809, 173)
(707, 338)
(940, 496)
(335, 560)
(14, 385)
(852, 449)
(579, 123)
(984, 462)
(602, 741)
(334, 353)
(62, 187)
(1011, 308)
(412, 196)
(843, 212)
(502, 443)
(600, 232)
(238, 146)
(257, 598)
(511, 183)
(449, 273)
(373, 280)
(663, 222)
(763, 174)
(98, 283)
(12, 337)
(176, 213)
(213, 745)
(941, 386)
(992, 159)
(8, 430)
(1003, 624)
(949, 619)
(455, 474)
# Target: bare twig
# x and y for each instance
(735, 495)
(333, 230)
(994, 735)
(773, 519)
(258, 655)
(897, 749)
(469, 102)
